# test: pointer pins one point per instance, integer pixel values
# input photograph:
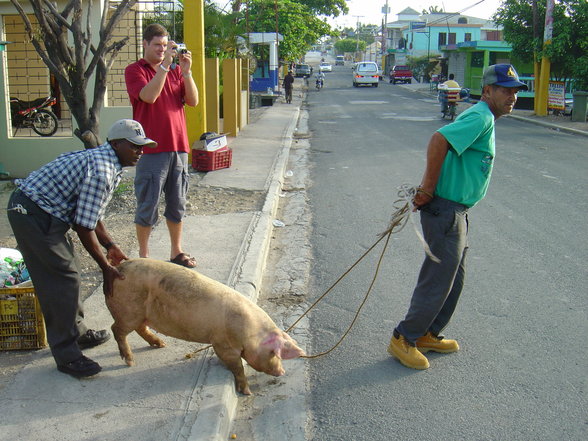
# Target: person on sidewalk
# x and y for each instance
(72, 192)
(158, 88)
(459, 164)
(288, 85)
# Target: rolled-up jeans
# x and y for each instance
(439, 286)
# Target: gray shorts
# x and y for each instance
(159, 173)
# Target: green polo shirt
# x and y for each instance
(465, 174)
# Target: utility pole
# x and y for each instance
(385, 37)
(357, 35)
(542, 91)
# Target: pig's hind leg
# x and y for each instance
(232, 360)
(150, 337)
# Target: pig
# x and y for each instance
(182, 303)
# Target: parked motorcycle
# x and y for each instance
(35, 114)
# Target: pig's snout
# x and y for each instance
(276, 372)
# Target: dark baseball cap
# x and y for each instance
(130, 130)
(503, 75)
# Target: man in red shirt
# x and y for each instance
(158, 89)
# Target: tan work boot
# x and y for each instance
(408, 355)
(430, 342)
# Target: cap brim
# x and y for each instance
(517, 84)
(145, 142)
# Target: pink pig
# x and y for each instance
(185, 304)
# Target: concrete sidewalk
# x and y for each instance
(167, 395)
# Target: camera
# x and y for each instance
(181, 48)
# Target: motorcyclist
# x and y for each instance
(443, 87)
(320, 78)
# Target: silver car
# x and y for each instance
(366, 72)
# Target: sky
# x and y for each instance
(371, 10)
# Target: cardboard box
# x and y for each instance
(212, 143)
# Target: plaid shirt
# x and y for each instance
(77, 186)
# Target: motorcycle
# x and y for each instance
(35, 114)
(319, 84)
(450, 98)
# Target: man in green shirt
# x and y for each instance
(459, 164)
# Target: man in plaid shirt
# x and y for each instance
(72, 192)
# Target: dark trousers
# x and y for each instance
(445, 227)
(49, 256)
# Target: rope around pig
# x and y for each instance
(400, 217)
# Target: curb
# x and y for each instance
(213, 422)
(549, 125)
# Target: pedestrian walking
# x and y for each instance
(288, 85)
(460, 157)
(158, 89)
(72, 192)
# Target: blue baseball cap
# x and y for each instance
(503, 75)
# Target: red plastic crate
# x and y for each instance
(203, 160)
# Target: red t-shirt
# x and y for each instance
(164, 121)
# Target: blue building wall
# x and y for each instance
(264, 78)
(421, 43)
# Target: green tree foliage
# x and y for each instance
(433, 10)
(298, 24)
(422, 66)
(568, 51)
(349, 45)
(326, 7)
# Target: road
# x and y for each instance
(521, 323)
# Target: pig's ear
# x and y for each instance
(289, 349)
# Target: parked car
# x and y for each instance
(340, 60)
(400, 74)
(366, 72)
(302, 70)
(325, 67)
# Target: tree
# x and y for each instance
(64, 41)
(349, 45)
(568, 51)
(298, 24)
(323, 7)
(433, 10)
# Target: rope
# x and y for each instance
(400, 217)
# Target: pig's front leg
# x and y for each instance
(232, 360)
(120, 335)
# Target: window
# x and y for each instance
(493, 36)
(452, 38)
(468, 36)
(442, 38)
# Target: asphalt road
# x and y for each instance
(522, 371)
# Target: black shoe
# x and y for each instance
(93, 338)
(81, 368)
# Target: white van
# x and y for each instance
(366, 72)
